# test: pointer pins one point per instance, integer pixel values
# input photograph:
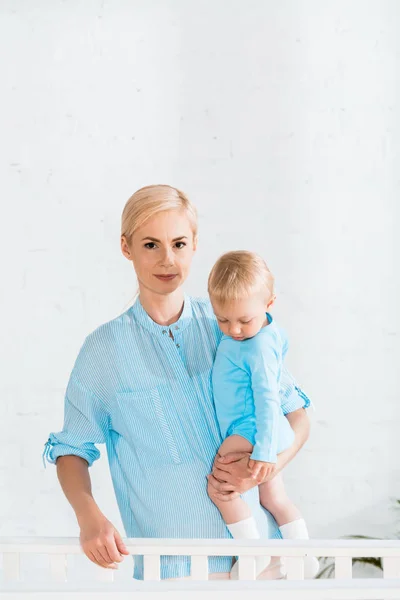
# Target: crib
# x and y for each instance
(111, 585)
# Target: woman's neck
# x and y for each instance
(163, 309)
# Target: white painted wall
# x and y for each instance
(281, 120)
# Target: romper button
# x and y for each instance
(178, 346)
(164, 331)
(176, 327)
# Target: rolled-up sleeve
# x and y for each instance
(85, 424)
(296, 400)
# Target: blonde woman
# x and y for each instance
(141, 384)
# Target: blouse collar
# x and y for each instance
(141, 317)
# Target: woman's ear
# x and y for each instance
(125, 248)
(195, 240)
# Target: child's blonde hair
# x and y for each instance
(150, 200)
(239, 274)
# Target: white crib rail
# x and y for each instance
(293, 551)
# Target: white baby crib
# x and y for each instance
(15, 584)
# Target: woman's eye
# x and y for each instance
(180, 245)
(150, 245)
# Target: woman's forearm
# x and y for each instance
(99, 539)
(73, 475)
(300, 424)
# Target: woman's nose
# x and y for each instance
(167, 258)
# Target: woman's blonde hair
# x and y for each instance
(150, 200)
(239, 274)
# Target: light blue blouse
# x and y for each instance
(149, 399)
(253, 391)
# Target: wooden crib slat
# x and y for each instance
(294, 567)
(11, 566)
(343, 567)
(151, 564)
(341, 551)
(391, 567)
(199, 568)
(247, 568)
(58, 567)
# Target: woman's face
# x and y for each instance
(162, 251)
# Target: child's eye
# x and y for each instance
(245, 322)
(221, 321)
(150, 245)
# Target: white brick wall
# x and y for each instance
(281, 121)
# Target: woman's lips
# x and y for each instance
(165, 277)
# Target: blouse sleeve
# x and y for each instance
(86, 421)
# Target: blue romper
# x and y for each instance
(253, 391)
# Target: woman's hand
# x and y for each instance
(231, 475)
(101, 542)
(262, 470)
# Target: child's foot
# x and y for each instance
(275, 570)
(261, 564)
(311, 567)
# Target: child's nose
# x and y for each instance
(234, 329)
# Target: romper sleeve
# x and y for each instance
(263, 363)
(86, 420)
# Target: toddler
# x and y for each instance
(252, 388)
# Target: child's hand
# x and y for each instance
(260, 469)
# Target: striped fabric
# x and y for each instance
(148, 397)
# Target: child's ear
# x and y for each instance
(271, 301)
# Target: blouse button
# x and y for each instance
(164, 331)
(178, 346)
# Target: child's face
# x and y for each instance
(242, 319)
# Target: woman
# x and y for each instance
(141, 385)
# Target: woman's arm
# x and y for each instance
(73, 475)
(300, 423)
(100, 541)
(231, 475)
(74, 450)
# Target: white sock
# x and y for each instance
(247, 530)
(297, 530)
